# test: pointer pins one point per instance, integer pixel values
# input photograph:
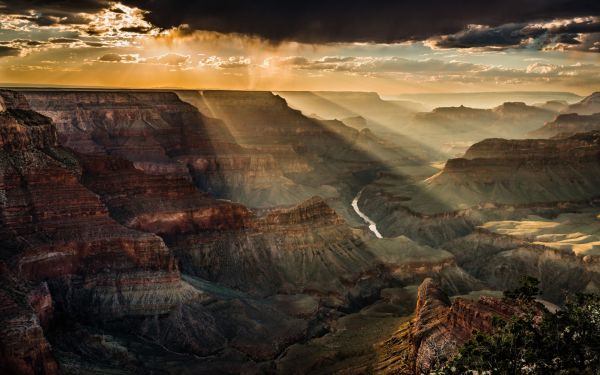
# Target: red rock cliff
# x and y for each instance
(441, 327)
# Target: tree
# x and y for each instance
(536, 341)
(526, 291)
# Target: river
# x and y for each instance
(371, 223)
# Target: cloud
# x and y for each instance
(357, 21)
(63, 40)
(509, 35)
(17, 43)
(170, 59)
(566, 33)
(372, 64)
(495, 24)
(115, 57)
(136, 29)
(48, 12)
(231, 62)
(6, 51)
(306, 21)
(173, 59)
(580, 42)
(91, 18)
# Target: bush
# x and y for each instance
(536, 341)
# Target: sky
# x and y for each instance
(391, 47)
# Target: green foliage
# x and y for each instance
(526, 291)
(536, 341)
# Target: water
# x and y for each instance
(371, 223)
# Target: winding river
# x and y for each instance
(371, 223)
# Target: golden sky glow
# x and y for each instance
(118, 47)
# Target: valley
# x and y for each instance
(213, 231)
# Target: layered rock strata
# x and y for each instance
(568, 124)
(440, 327)
(511, 172)
(54, 229)
(164, 136)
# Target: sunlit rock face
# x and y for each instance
(158, 204)
(587, 106)
(520, 172)
(164, 136)
(559, 250)
(388, 119)
(498, 172)
(440, 326)
(568, 124)
(316, 156)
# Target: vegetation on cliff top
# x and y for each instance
(537, 341)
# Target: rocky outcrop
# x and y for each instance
(553, 105)
(54, 229)
(164, 136)
(165, 205)
(501, 261)
(587, 106)
(313, 210)
(334, 154)
(23, 313)
(509, 119)
(453, 128)
(386, 118)
(514, 172)
(568, 124)
(304, 249)
(440, 327)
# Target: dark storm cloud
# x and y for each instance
(59, 8)
(355, 21)
(567, 39)
(521, 34)
(9, 51)
(335, 20)
(52, 12)
(509, 35)
(63, 40)
(136, 29)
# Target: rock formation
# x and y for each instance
(513, 172)
(320, 157)
(568, 124)
(102, 266)
(587, 106)
(448, 127)
(23, 313)
(162, 135)
(388, 119)
(87, 255)
(553, 105)
(440, 327)
(202, 232)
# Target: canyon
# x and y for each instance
(191, 232)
